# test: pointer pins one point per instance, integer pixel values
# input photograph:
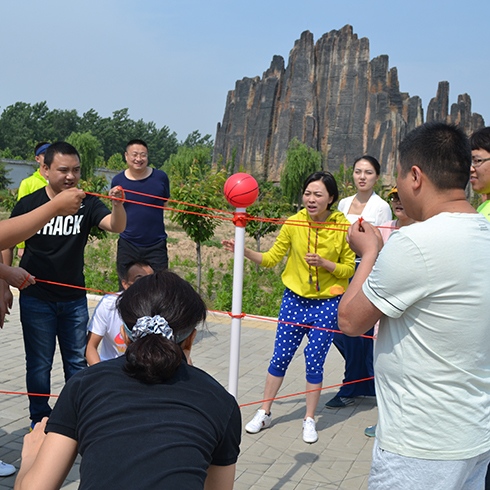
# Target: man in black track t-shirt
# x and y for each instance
(55, 254)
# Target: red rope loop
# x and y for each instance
(241, 315)
(241, 219)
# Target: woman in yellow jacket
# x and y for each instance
(317, 273)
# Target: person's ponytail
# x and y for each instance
(153, 357)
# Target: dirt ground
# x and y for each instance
(181, 248)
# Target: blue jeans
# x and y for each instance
(43, 321)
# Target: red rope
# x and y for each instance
(27, 278)
(304, 392)
(29, 394)
(244, 405)
(72, 286)
(178, 202)
(248, 217)
(264, 318)
(242, 315)
(159, 207)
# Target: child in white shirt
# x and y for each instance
(105, 325)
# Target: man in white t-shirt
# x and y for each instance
(428, 286)
(106, 322)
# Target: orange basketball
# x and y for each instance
(241, 190)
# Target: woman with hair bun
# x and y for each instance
(147, 420)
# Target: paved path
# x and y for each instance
(276, 458)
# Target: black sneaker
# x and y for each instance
(339, 402)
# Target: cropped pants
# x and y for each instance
(305, 311)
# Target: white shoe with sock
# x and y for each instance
(259, 422)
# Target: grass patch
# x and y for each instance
(100, 265)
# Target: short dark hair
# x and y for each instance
(61, 148)
(372, 161)
(123, 270)
(136, 142)
(480, 140)
(442, 151)
(328, 180)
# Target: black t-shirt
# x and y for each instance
(132, 435)
(55, 253)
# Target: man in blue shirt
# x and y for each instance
(144, 237)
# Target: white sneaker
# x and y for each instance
(6, 469)
(259, 422)
(310, 435)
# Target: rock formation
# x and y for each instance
(332, 98)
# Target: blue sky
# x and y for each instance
(173, 62)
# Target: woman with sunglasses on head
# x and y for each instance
(317, 273)
(147, 420)
(358, 351)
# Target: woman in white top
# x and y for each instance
(366, 202)
(358, 351)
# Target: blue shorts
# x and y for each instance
(305, 311)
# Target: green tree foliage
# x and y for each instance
(195, 139)
(97, 185)
(301, 161)
(4, 180)
(116, 162)
(22, 125)
(345, 182)
(269, 204)
(196, 184)
(182, 161)
(90, 151)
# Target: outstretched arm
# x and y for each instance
(249, 254)
(46, 459)
(116, 221)
(20, 228)
(356, 313)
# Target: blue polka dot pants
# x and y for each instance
(306, 311)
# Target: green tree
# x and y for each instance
(195, 139)
(23, 125)
(4, 180)
(98, 185)
(345, 182)
(200, 185)
(116, 162)
(269, 204)
(182, 161)
(90, 151)
(301, 161)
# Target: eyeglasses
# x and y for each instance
(135, 154)
(477, 162)
(394, 197)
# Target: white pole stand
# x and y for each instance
(236, 308)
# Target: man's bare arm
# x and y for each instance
(356, 313)
(20, 228)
